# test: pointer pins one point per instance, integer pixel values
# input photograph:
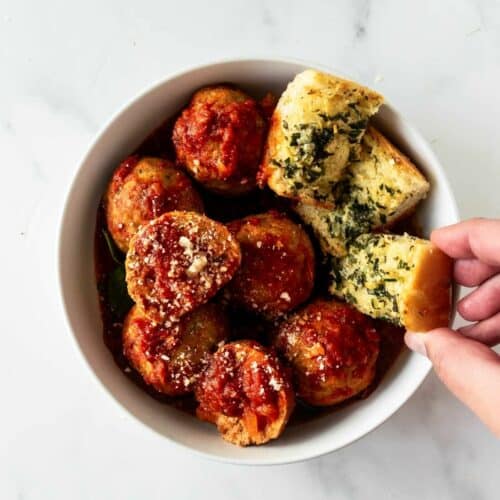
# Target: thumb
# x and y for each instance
(468, 368)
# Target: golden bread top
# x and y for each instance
(315, 129)
(379, 188)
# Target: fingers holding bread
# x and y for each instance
(474, 238)
(487, 331)
(475, 246)
(473, 272)
(483, 302)
(400, 278)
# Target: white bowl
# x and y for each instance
(78, 288)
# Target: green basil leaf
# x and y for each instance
(116, 292)
(115, 253)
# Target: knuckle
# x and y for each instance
(439, 361)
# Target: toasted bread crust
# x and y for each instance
(428, 295)
(274, 137)
(375, 137)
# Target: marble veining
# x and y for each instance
(361, 18)
(65, 67)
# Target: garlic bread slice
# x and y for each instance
(399, 278)
(315, 129)
(374, 192)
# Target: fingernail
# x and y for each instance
(415, 341)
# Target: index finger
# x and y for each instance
(475, 238)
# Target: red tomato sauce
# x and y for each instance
(244, 325)
(348, 337)
(231, 130)
(233, 386)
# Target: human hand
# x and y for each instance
(463, 359)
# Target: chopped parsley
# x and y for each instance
(403, 265)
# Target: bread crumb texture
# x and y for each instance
(398, 278)
(375, 191)
(315, 130)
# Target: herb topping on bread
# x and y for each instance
(399, 278)
(374, 192)
(315, 130)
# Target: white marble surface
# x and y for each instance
(64, 68)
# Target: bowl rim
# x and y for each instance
(307, 453)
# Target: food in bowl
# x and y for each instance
(315, 131)
(397, 277)
(255, 256)
(141, 190)
(246, 391)
(332, 349)
(171, 358)
(377, 190)
(178, 262)
(277, 266)
(218, 138)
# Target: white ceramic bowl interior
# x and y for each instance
(120, 137)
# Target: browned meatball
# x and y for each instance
(277, 267)
(246, 392)
(219, 139)
(142, 189)
(172, 359)
(177, 262)
(332, 349)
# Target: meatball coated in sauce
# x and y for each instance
(177, 262)
(332, 349)
(172, 359)
(246, 392)
(142, 189)
(219, 139)
(277, 268)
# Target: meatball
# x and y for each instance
(219, 138)
(246, 392)
(277, 267)
(142, 189)
(177, 262)
(171, 359)
(332, 349)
